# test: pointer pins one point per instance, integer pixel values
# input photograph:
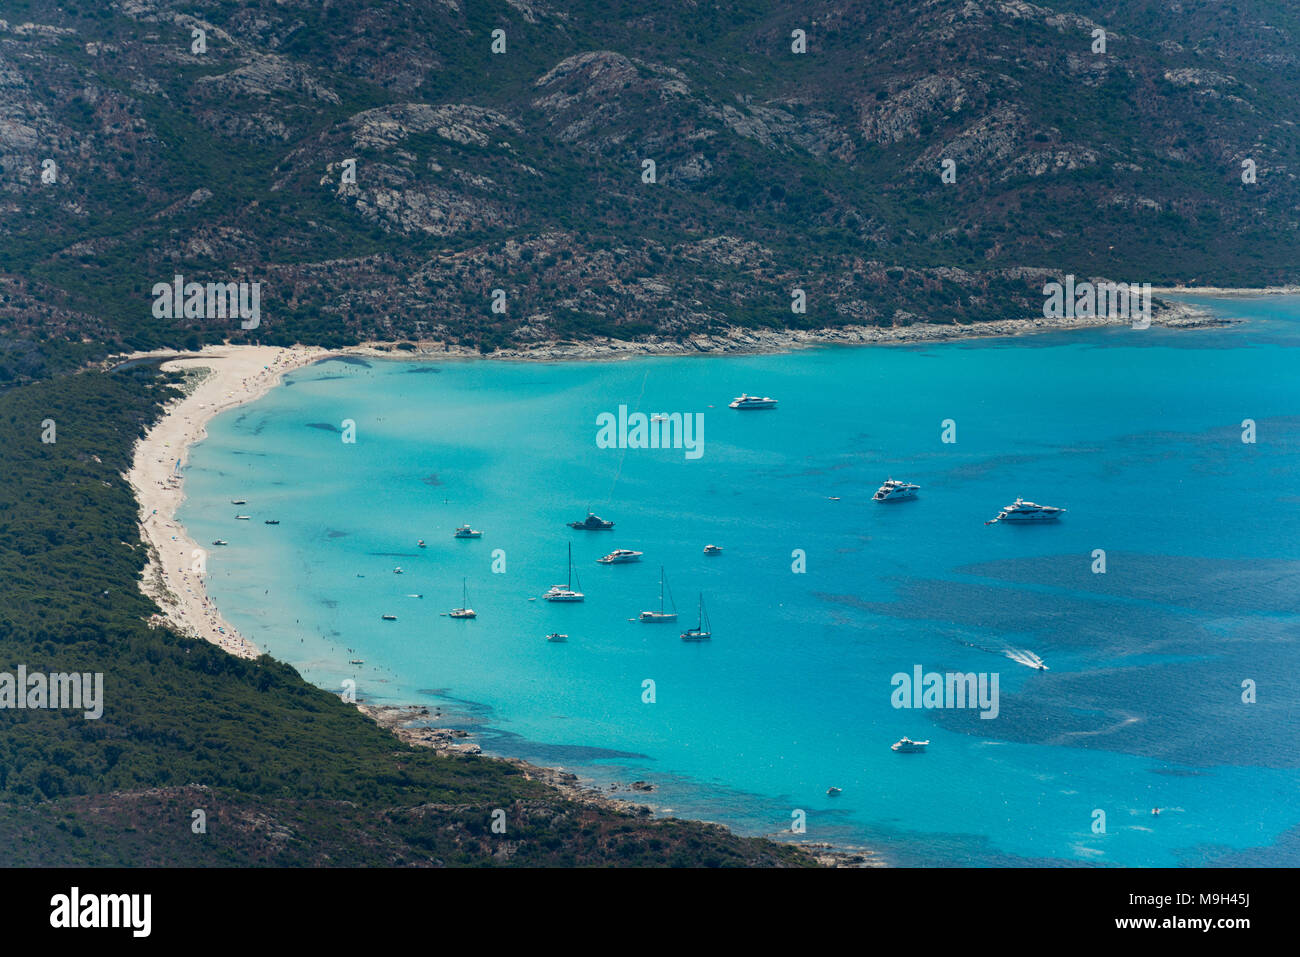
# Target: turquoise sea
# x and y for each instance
(1138, 433)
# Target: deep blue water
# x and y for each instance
(1138, 433)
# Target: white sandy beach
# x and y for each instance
(237, 374)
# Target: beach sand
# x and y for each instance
(236, 374)
(239, 374)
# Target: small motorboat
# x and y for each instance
(713, 549)
(243, 518)
(389, 617)
(357, 661)
(239, 501)
(420, 544)
(220, 541)
(397, 570)
(556, 636)
(466, 532)
(833, 792)
(272, 521)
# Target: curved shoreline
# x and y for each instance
(241, 373)
(236, 374)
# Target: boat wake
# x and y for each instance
(1026, 658)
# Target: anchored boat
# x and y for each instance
(895, 491)
(1024, 512)
(592, 523)
(702, 631)
(566, 592)
(656, 617)
(464, 611)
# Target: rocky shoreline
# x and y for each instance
(412, 724)
(735, 340)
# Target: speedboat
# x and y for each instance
(747, 401)
(243, 518)
(466, 532)
(272, 521)
(833, 792)
(389, 617)
(556, 636)
(220, 541)
(908, 746)
(357, 661)
(420, 544)
(660, 616)
(565, 592)
(592, 523)
(620, 556)
(239, 501)
(397, 570)
(1024, 512)
(895, 491)
(713, 549)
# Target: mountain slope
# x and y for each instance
(523, 171)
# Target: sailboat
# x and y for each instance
(661, 615)
(702, 631)
(565, 592)
(464, 611)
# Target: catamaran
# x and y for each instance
(565, 592)
(621, 556)
(747, 401)
(702, 631)
(654, 617)
(1022, 511)
(464, 611)
(895, 491)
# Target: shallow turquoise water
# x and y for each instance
(1137, 433)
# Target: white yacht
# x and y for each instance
(1022, 511)
(747, 401)
(703, 631)
(895, 491)
(908, 746)
(713, 549)
(657, 617)
(621, 556)
(466, 532)
(464, 611)
(566, 592)
(557, 636)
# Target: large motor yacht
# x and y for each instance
(895, 491)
